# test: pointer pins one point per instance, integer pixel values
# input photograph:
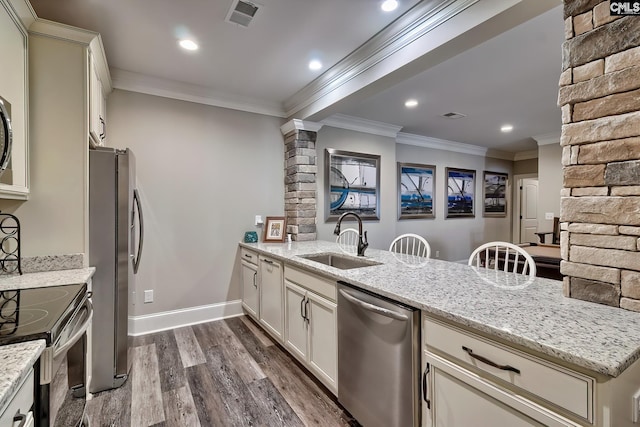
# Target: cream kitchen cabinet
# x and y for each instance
(470, 379)
(97, 105)
(250, 283)
(311, 333)
(14, 83)
(18, 411)
(270, 278)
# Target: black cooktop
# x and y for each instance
(37, 313)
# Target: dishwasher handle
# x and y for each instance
(371, 307)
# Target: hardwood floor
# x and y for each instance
(223, 373)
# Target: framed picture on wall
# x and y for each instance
(461, 184)
(416, 190)
(352, 184)
(495, 194)
(275, 229)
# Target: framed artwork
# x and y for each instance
(495, 194)
(275, 229)
(416, 190)
(352, 184)
(461, 184)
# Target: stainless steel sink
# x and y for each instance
(343, 262)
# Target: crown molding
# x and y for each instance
(142, 83)
(456, 147)
(60, 31)
(548, 138)
(297, 124)
(401, 33)
(344, 121)
(24, 11)
(525, 155)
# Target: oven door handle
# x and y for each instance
(77, 334)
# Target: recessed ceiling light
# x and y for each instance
(411, 103)
(389, 5)
(188, 44)
(506, 128)
(315, 64)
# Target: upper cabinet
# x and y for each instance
(97, 104)
(14, 72)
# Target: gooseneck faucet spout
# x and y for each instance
(362, 237)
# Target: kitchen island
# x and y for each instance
(529, 315)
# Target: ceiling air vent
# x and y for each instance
(242, 12)
(454, 115)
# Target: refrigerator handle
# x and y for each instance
(136, 259)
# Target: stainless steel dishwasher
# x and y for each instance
(378, 359)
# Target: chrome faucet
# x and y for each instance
(362, 237)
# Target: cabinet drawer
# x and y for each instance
(554, 384)
(20, 403)
(319, 285)
(249, 256)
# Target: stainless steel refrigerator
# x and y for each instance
(115, 244)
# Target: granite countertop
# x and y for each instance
(46, 278)
(531, 312)
(16, 360)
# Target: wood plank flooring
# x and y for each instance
(223, 373)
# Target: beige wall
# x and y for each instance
(453, 238)
(549, 183)
(525, 167)
(456, 238)
(203, 173)
(380, 233)
(53, 221)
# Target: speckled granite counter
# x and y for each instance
(46, 278)
(530, 312)
(15, 362)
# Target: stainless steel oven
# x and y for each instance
(61, 316)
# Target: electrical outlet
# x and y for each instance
(148, 296)
(548, 215)
(437, 254)
(258, 220)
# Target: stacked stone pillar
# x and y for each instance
(600, 101)
(300, 182)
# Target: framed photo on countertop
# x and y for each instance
(495, 194)
(275, 229)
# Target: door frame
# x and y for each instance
(517, 208)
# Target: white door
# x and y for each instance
(529, 211)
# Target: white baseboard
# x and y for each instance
(142, 325)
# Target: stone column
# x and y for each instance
(600, 101)
(300, 178)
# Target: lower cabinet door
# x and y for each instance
(250, 292)
(295, 328)
(323, 339)
(271, 297)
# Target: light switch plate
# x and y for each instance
(259, 220)
(148, 295)
(548, 215)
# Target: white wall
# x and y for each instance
(454, 238)
(203, 173)
(549, 183)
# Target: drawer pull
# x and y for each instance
(424, 386)
(20, 417)
(268, 261)
(248, 256)
(489, 362)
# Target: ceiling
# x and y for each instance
(510, 78)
